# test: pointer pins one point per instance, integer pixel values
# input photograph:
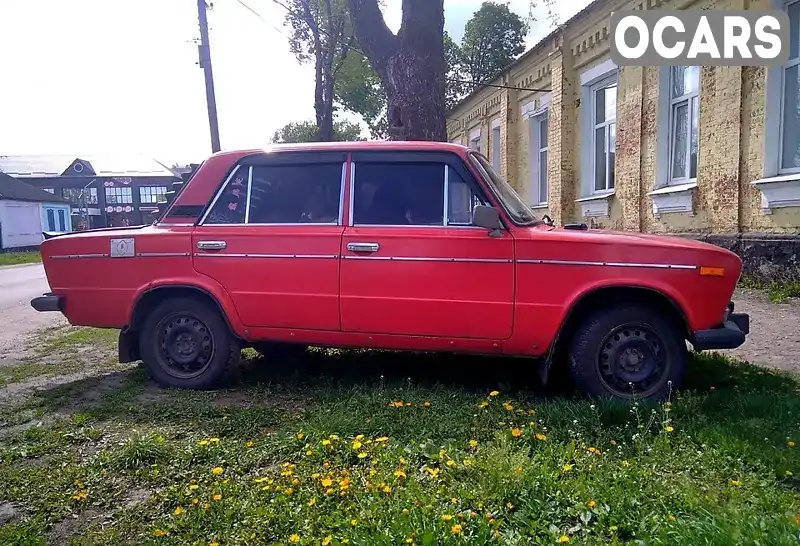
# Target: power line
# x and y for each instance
(499, 86)
(246, 6)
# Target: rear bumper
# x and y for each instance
(728, 335)
(48, 302)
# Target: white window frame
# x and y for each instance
(611, 81)
(536, 151)
(495, 144)
(475, 140)
(599, 77)
(665, 132)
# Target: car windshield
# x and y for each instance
(520, 212)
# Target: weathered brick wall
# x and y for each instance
(726, 206)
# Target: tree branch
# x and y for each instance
(374, 37)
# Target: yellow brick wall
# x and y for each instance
(731, 131)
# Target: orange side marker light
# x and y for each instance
(712, 271)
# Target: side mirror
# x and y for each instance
(487, 217)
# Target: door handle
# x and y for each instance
(363, 247)
(211, 245)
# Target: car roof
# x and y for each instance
(369, 145)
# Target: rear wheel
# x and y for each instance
(185, 343)
(628, 351)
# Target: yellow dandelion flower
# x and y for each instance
(382, 439)
(195, 501)
(193, 487)
(216, 497)
(213, 543)
(402, 460)
(447, 517)
(518, 470)
(251, 443)
(178, 511)
(326, 442)
(451, 462)
(671, 517)
(294, 539)
(613, 442)
(467, 462)
(613, 528)
(426, 404)
(326, 482)
(408, 403)
(473, 443)
(669, 428)
(593, 450)
(310, 452)
(531, 412)
(494, 393)
(508, 406)
(563, 538)
(789, 473)
(483, 404)
(362, 454)
(387, 489)
(591, 504)
(400, 474)
(456, 529)
(356, 445)
(327, 540)
(454, 500)
(203, 442)
(540, 436)
(217, 470)
(215, 440)
(300, 435)
(353, 522)
(311, 502)
(159, 532)
(509, 506)
(405, 511)
(432, 471)
(442, 453)
(567, 467)
(516, 433)
(790, 443)
(397, 404)
(736, 483)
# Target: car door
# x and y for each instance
(272, 237)
(411, 262)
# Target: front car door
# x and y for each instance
(272, 235)
(412, 263)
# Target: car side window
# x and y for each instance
(231, 205)
(296, 194)
(397, 194)
(461, 200)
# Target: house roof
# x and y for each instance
(44, 166)
(16, 190)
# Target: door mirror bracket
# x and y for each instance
(489, 218)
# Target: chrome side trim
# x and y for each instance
(269, 256)
(439, 260)
(169, 225)
(446, 211)
(607, 264)
(275, 225)
(219, 193)
(77, 256)
(162, 254)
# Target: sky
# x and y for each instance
(121, 76)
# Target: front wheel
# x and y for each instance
(628, 351)
(185, 343)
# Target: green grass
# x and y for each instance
(14, 258)
(778, 290)
(386, 448)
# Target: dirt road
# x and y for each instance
(18, 284)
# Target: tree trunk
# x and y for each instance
(411, 65)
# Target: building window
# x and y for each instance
(62, 220)
(51, 220)
(119, 196)
(604, 133)
(475, 140)
(789, 161)
(539, 148)
(152, 194)
(684, 113)
(73, 195)
(496, 144)
(49, 190)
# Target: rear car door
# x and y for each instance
(412, 263)
(272, 235)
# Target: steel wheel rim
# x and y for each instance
(632, 361)
(186, 345)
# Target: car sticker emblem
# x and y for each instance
(123, 248)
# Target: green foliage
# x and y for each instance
(359, 90)
(307, 131)
(14, 258)
(493, 38)
(780, 288)
(343, 444)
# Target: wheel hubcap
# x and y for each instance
(186, 346)
(632, 361)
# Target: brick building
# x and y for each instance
(705, 152)
(105, 191)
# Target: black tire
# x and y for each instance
(186, 344)
(628, 344)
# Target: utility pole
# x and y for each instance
(205, 63)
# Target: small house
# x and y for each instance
(26, 211)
